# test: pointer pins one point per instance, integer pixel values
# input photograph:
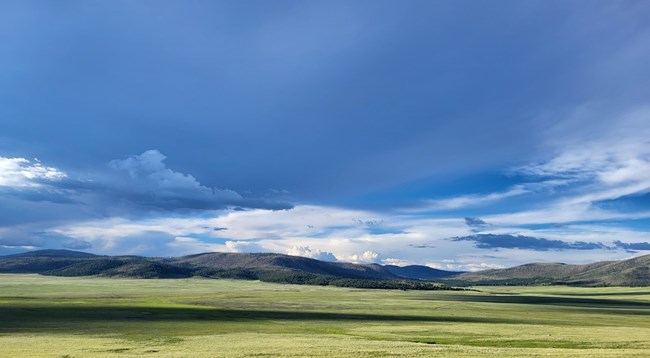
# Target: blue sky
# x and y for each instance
(461, 135)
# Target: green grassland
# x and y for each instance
(110, 317)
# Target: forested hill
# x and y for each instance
(630, 272)
(252, 266)
(295, 269)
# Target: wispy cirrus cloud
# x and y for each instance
(466, 201)
(483, 200)
(607, 160)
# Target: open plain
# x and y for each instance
(103, 317)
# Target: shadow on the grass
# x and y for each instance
(35, 318)
(28, 316)
(604, 294)
(547, 300)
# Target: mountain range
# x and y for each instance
(301, 270)
(253, 266)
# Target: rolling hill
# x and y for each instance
(630, 272)
(419, 272)
(255, 266)
(275, 262)
(301, 270)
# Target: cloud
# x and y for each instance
(23, 179)
(465, 201)
(396, 262)
(633, 246)
(370, 222)
(22, 236)
(476, 224)
(496, 241)
(245, 246)
(39, 194)
(335, 232)
(367, 257)
(256, 230)
(18, 236)
(422, 246)
(305, 251)
(145, 180)
(610, 159)
(131, 186)
(593, 141)
(54, 239)
(462, 265)
(599, 157)
(38, 201)
(188, 245)
(22, 173)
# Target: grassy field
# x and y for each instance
(107, 317)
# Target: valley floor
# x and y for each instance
(108, 317)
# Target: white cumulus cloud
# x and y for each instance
(305, 251)
(148, 181)
(23, 173)
(367, 257)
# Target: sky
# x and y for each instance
(462, 135)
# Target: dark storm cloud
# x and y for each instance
(506, 241)
(264, 96)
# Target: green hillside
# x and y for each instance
(280, 268)
(264, 267)
(631, 272)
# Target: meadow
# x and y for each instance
(43, 316)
